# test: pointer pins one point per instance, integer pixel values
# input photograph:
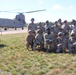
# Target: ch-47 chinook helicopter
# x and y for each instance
(17, 22)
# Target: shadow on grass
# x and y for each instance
(54, 51)
(2, 45)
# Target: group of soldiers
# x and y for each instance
(58, 37)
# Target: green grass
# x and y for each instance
(15, 59)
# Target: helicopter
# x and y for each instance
(17, 22)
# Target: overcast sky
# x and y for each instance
(55, 9)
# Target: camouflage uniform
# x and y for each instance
(32, 26)
(74, 31)
(65, 29)
(29, 40)
(48, 40)
(41, 27)
(71, 28)
(39, 40)
(72, 43)
(47, 26)
(56, 29)
(60, 42)
(59, 22)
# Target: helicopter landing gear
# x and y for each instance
(5, 28)
(22, 28)
(15, 28)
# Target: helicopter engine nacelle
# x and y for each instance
(20, 17)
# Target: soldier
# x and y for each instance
(65, 29)
(56, 29)
(60, 42)
(47, 26)
(59, 22)
(71, 26)
(41, 27)
(72, 43)
(32, 26)
(30, 39)
(48, 40)
(39, 40)
(74, 29)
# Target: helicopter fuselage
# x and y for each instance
(11, 23)
(17, 22)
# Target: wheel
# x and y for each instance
(15, 28)
(22, 28)
(5, 28)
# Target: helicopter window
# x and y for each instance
(17, 17)
(20, 17)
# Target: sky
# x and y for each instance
(55, 9)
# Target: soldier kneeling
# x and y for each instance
(30, 39)
(60, 42)
(48, 40)
(39, 40)
(72, 43)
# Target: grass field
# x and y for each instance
(15, 59)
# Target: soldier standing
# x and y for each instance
(59, 22)
(72, 26)
(65, 29)
(41, 27)
(47, 26)
(60, 42)
(32, 26)
(74, 29)
(56, 29)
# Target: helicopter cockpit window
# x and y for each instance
(17, 17)
(20, 17)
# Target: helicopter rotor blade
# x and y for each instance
(13, 11)
(34, 11)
